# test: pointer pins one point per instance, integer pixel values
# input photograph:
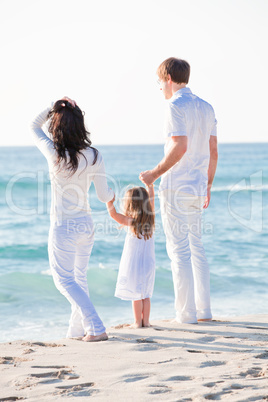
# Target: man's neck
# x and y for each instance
(175, 87)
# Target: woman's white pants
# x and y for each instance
(181, 217)
(69, 249)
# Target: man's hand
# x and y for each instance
(147, 177)
(177, 148)
(207, 200)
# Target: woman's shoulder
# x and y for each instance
(91, 153)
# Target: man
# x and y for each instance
(187, 172)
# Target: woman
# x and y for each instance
(73, 165)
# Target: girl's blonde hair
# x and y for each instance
(137, 205)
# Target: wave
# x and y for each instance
(16, 286)
(23, 252)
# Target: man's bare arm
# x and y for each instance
(213, 160)
(176, 152)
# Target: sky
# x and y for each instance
(104, 54)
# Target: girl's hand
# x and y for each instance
(72, 102)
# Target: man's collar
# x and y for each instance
(181, 91)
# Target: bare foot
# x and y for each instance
(135, 326)
(95, 338)
(146, 325)
(205, 319)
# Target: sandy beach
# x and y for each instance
(219, 360)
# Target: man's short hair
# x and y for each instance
(178, 69)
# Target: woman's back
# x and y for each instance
(69, 188)
(73, 165)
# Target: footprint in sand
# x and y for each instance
(147, 344)
(51, 377)
(203, 351)
(212, 364)
(180, 378)
(59, 375)
(136, 378)
(237, 386)
(254, 372)
(80, 386)
(160, 389)
(145, 340)
(196, 351)
(12, 360)
(77, 390)
(215, 397)
(262, 355)
(27, 351)
(212, 384)
(43, 344)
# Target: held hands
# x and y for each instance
(147, 177)
(110, 204)
(112, 201)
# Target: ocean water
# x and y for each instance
(234, 233)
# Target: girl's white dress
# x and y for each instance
(137, 269)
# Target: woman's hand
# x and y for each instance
(110, 204)
(112, 201)
(72, 102)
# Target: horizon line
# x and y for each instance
(141, 144)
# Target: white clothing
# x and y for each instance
(137, 269)
(71, 234)
(69, 249)
(188, 115)
(69, 191)
(181, 216)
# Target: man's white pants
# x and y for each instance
(181, 216)
(69, 249)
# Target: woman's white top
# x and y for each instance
(69, 191)
(137, 269)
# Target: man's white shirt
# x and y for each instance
(188, 115)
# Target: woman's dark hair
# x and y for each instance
(69, 133)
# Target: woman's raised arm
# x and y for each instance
(42, 141)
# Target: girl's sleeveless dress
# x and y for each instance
(137, 269)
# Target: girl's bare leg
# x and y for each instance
(137, 311)
(146, 312)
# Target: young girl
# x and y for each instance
(137, 266)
